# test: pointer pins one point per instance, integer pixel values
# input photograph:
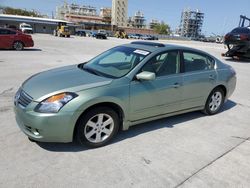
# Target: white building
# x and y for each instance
(119, 13)
(74, 9)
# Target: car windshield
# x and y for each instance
(116, 62)
(27, 26)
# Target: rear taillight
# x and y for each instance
(244, 37)
(227, 36)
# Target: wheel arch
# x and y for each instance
(117, 108)
(17, 41)
(223, 87)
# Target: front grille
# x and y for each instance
(23, 99)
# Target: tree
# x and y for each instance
(21, 12)
(162, 28)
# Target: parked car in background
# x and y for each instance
(100, 36)
(135, 36)
(238, 36)
(91, 34)
(102, 31)
(238, 43)
(124, 86)
(26, 28)
(149, 37)
(12, 39)
(80, 33)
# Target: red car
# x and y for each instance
(11, 39)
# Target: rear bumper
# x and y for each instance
(57, 127)
(231, 86)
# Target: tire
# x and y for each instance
(94, 134)
(214, 101)
(68, 36)
(31, 140)
(18, 46)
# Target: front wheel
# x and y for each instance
(214, 102)
(97, 127)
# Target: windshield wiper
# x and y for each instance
(92, 71)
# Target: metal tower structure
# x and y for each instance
(191, 23)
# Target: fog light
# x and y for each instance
(35, 132)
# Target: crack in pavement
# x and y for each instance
(6, 91)
(213, 161)
(242, 138)
(147, 161)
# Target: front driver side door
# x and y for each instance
(159, 96)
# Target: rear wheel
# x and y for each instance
(214, 102)
(18, 45)
(97, 127)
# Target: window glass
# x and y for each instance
(197, 62)
(6, 32)
(3, 31)
(116, 57)
(11, 32)
(166, 63)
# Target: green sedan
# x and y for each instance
(124, 86)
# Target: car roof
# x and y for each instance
(155, 46)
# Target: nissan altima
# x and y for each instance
(124, 86)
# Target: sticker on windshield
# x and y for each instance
(142, 52)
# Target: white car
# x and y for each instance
(26, 28)
(102, 31)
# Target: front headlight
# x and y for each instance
(54, 103)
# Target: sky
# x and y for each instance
(221, 16)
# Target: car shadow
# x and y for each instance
(169, 122)
(32, 49)
(25, 49)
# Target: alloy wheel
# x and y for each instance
(18, 46)
(215, 101)
(99, 128)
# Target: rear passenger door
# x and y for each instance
(199, 77)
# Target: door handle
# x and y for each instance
(211, 77)
(176, 85)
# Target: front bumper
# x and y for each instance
(29, 43)
(57, 127)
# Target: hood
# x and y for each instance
(65, 79)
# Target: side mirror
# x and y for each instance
(145, 75)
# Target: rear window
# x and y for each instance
(241, 30)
